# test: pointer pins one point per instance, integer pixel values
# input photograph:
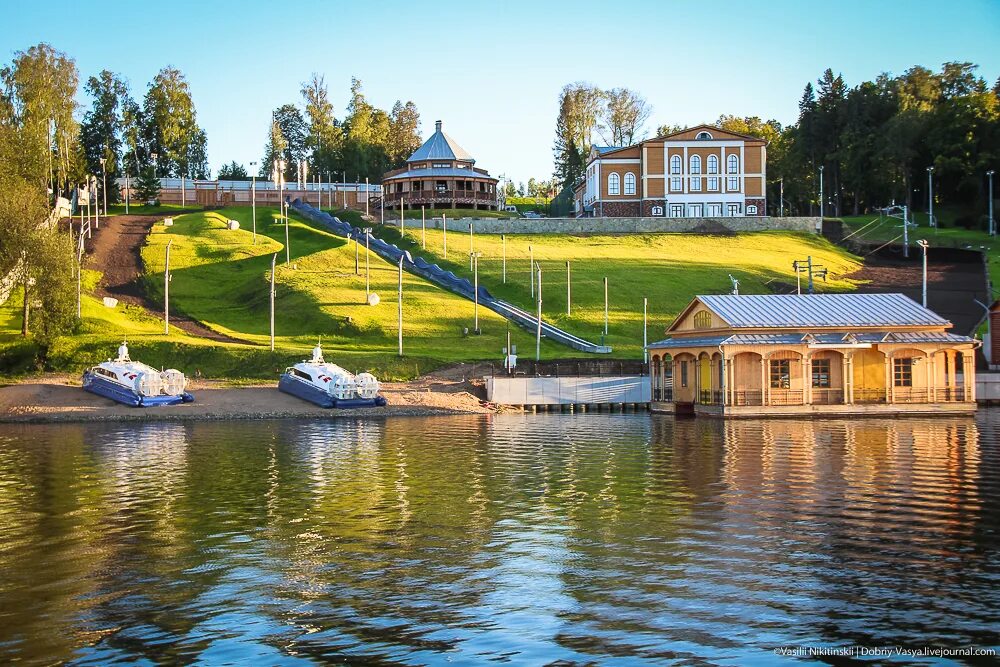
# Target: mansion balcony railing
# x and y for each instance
(785, 397)
(752, 397)
(710, 397)
(869, 396)
(950, 394)
(827, 396)
(439, 197)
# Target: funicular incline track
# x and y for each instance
(448, 280)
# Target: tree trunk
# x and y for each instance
(27, 307)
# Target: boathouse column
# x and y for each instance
(931, 397)
(730, 381)
(846, 379)
(765, 384)
(807, 394)
(969, 376)
(890, 389)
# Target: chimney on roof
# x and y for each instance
(437, 125)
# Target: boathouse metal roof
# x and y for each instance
(440, 147)
(839, 338)
(784, 311)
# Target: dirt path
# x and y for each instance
(115, 249)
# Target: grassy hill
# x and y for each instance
(220, 277)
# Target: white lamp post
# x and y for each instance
(253, 199)
(474, 256)
(368, 288)
(924, 245)
(821, 193)
(993, 230)
(166, 290)
(104, 192)
(930, 197)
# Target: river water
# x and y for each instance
(601, 539)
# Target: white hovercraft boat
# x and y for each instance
(136, 384)
(330, 386)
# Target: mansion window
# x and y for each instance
(614, 184)
(713, 164)
(695, 164)
(416, 185)
(675, 164)
(902, 372)
(734, 209)
(781, 373)
(630, 183)
(696, 184)
(704, 135)
(675, 183)
(677, 210)
(694, 210)
(715, 210)
(441, 186)
(734, 184)
(713, 184)
(821, 373)
(732, 164)
(440, 165)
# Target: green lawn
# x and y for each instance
(668, 269)
(220, 277)
(145, 209)
(354, 217)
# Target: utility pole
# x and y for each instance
(809, 259)
(423, 227)
(166, 290)
(357, 255)
(472, 248)
(79, 271)
(402, 226)
(127, 193)
(906, 235)
(924, 245)
(605, 305)
(366, 195)
(444, 224)
(569, 295)
(503, 243)
(399, 299)
(538, 330)
(274, 259)
(104, 191)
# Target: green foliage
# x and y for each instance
(148, 186)
(233, 172)
(170, 126)
(101, 130)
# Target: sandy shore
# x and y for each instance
(60, 399)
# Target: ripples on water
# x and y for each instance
(530, 539)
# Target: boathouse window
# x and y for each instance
(684, 373)
(702, 320)
(441, 186)
(902, 372)
(821, 373)
(781, 372)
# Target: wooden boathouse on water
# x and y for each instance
(811, 354)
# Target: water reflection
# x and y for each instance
(515, 538)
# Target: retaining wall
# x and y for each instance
(567, 390)
(615, 225)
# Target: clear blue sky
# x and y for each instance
(492, 71)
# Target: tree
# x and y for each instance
(233, 172)
(170, 126)
(286, 140)
(38, 254)
(324, 137)
(102, 129)
(664, 130)
(365, 136)
(148, 184)
(38, 99)
(404, 133)
(579, 110)
(623, 116)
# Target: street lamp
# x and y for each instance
(368, 290)
(474, 257)
(253, 198)
(992, 225)
(821, 193)
(924, 245)
(930, 197)
(154, 156)
(104, 191)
